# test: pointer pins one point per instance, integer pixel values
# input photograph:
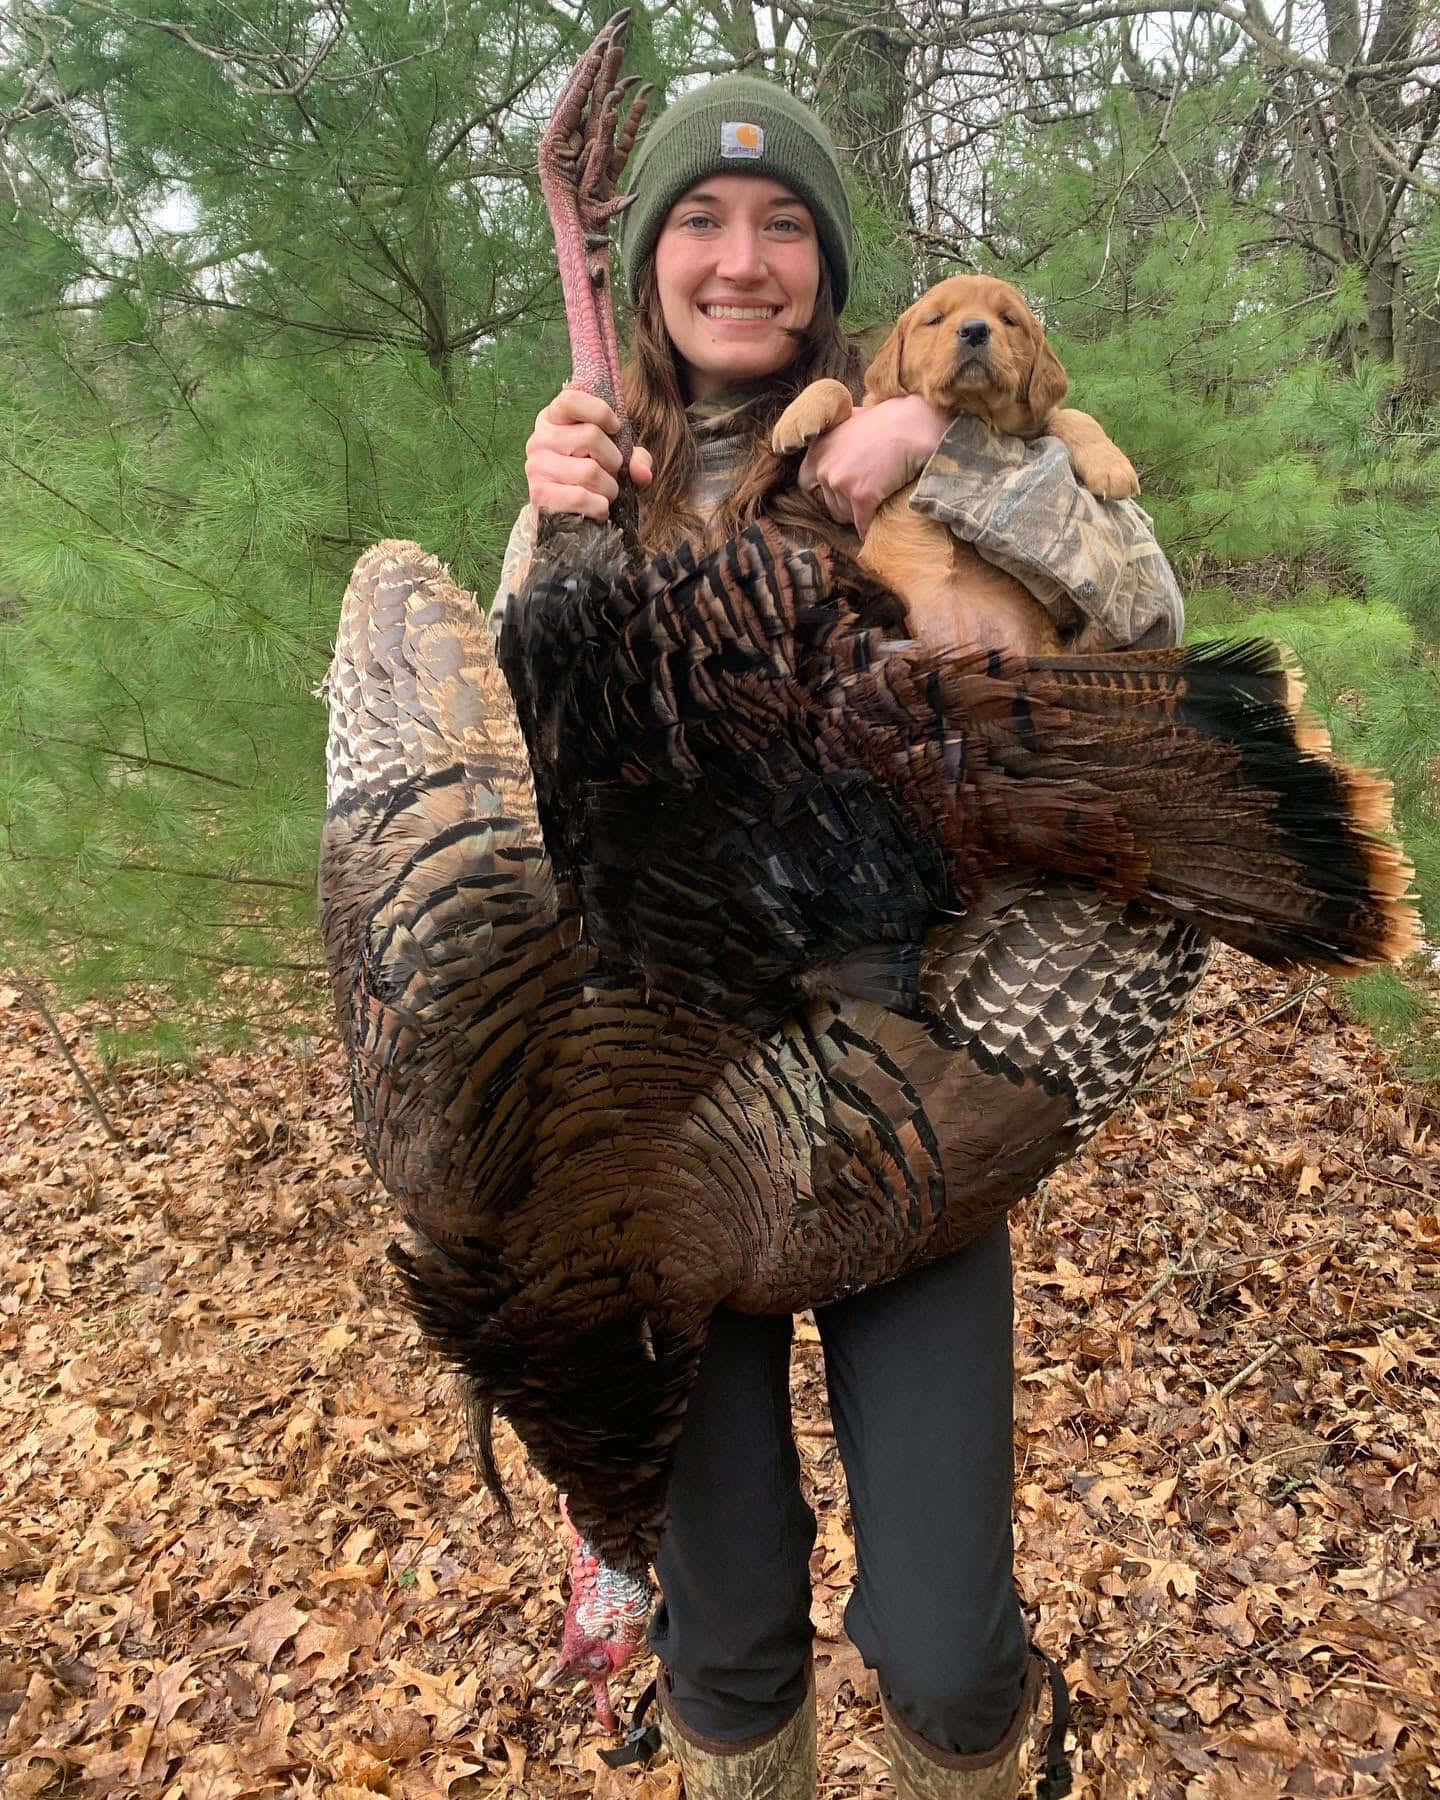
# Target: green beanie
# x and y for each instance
(736, 126)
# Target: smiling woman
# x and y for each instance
(736, 254)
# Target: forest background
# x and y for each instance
(275, 282)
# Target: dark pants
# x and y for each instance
(920, 1374)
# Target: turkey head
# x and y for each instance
(604, 1621)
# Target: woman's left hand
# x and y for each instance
(856, 466)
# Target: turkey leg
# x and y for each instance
(582, 154)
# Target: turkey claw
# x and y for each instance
(586, 146)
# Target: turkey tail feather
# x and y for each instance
(413, 689)
(426, 776)
(1197, 780)
(751, 775)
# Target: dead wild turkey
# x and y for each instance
(749, 956)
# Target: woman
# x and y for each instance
(736, 253)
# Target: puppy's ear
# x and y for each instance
(1048, 382)
(882, 378)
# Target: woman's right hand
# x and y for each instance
(571, 462)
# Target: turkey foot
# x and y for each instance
(582, 154)
(822, 405)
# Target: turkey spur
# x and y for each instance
(736, 951)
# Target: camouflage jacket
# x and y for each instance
(1094, 564)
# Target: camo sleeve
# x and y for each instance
(518, 551)
(1094, 564)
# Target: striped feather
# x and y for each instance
(743, 957)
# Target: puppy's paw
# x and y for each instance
(1107, 472)
(1097, 461)
(823, 404)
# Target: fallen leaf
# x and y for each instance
(270, 1627)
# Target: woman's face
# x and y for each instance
(737, 264)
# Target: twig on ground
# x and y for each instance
(1405, 1315)
(1296, 997)
(37, 1000)
(1156, 1287)
(1185, 1263)
(1405, 1187)
(1253, 1367)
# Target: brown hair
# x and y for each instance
(765, 484)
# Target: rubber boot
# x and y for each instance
(777, 1766)
(921, 1772)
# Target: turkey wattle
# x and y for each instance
(735, 952)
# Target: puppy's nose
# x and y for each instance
(975, 333)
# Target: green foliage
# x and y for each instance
(247, 327)
(249, 331)
(882, 281)
(1403, 1016)
(170, 579)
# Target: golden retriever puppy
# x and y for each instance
(969, 345)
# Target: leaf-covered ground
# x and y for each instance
(243, 1552)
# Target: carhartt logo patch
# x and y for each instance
(739, 138)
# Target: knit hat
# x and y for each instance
(736, 126)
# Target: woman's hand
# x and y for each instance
(857, 466)
(571, 462)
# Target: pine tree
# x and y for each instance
(261, 329)
(276, 282)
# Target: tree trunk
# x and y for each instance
(435, 321)
(1364, 108)
(861, 86)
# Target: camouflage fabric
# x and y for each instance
(719, 446)
(1094, 564)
